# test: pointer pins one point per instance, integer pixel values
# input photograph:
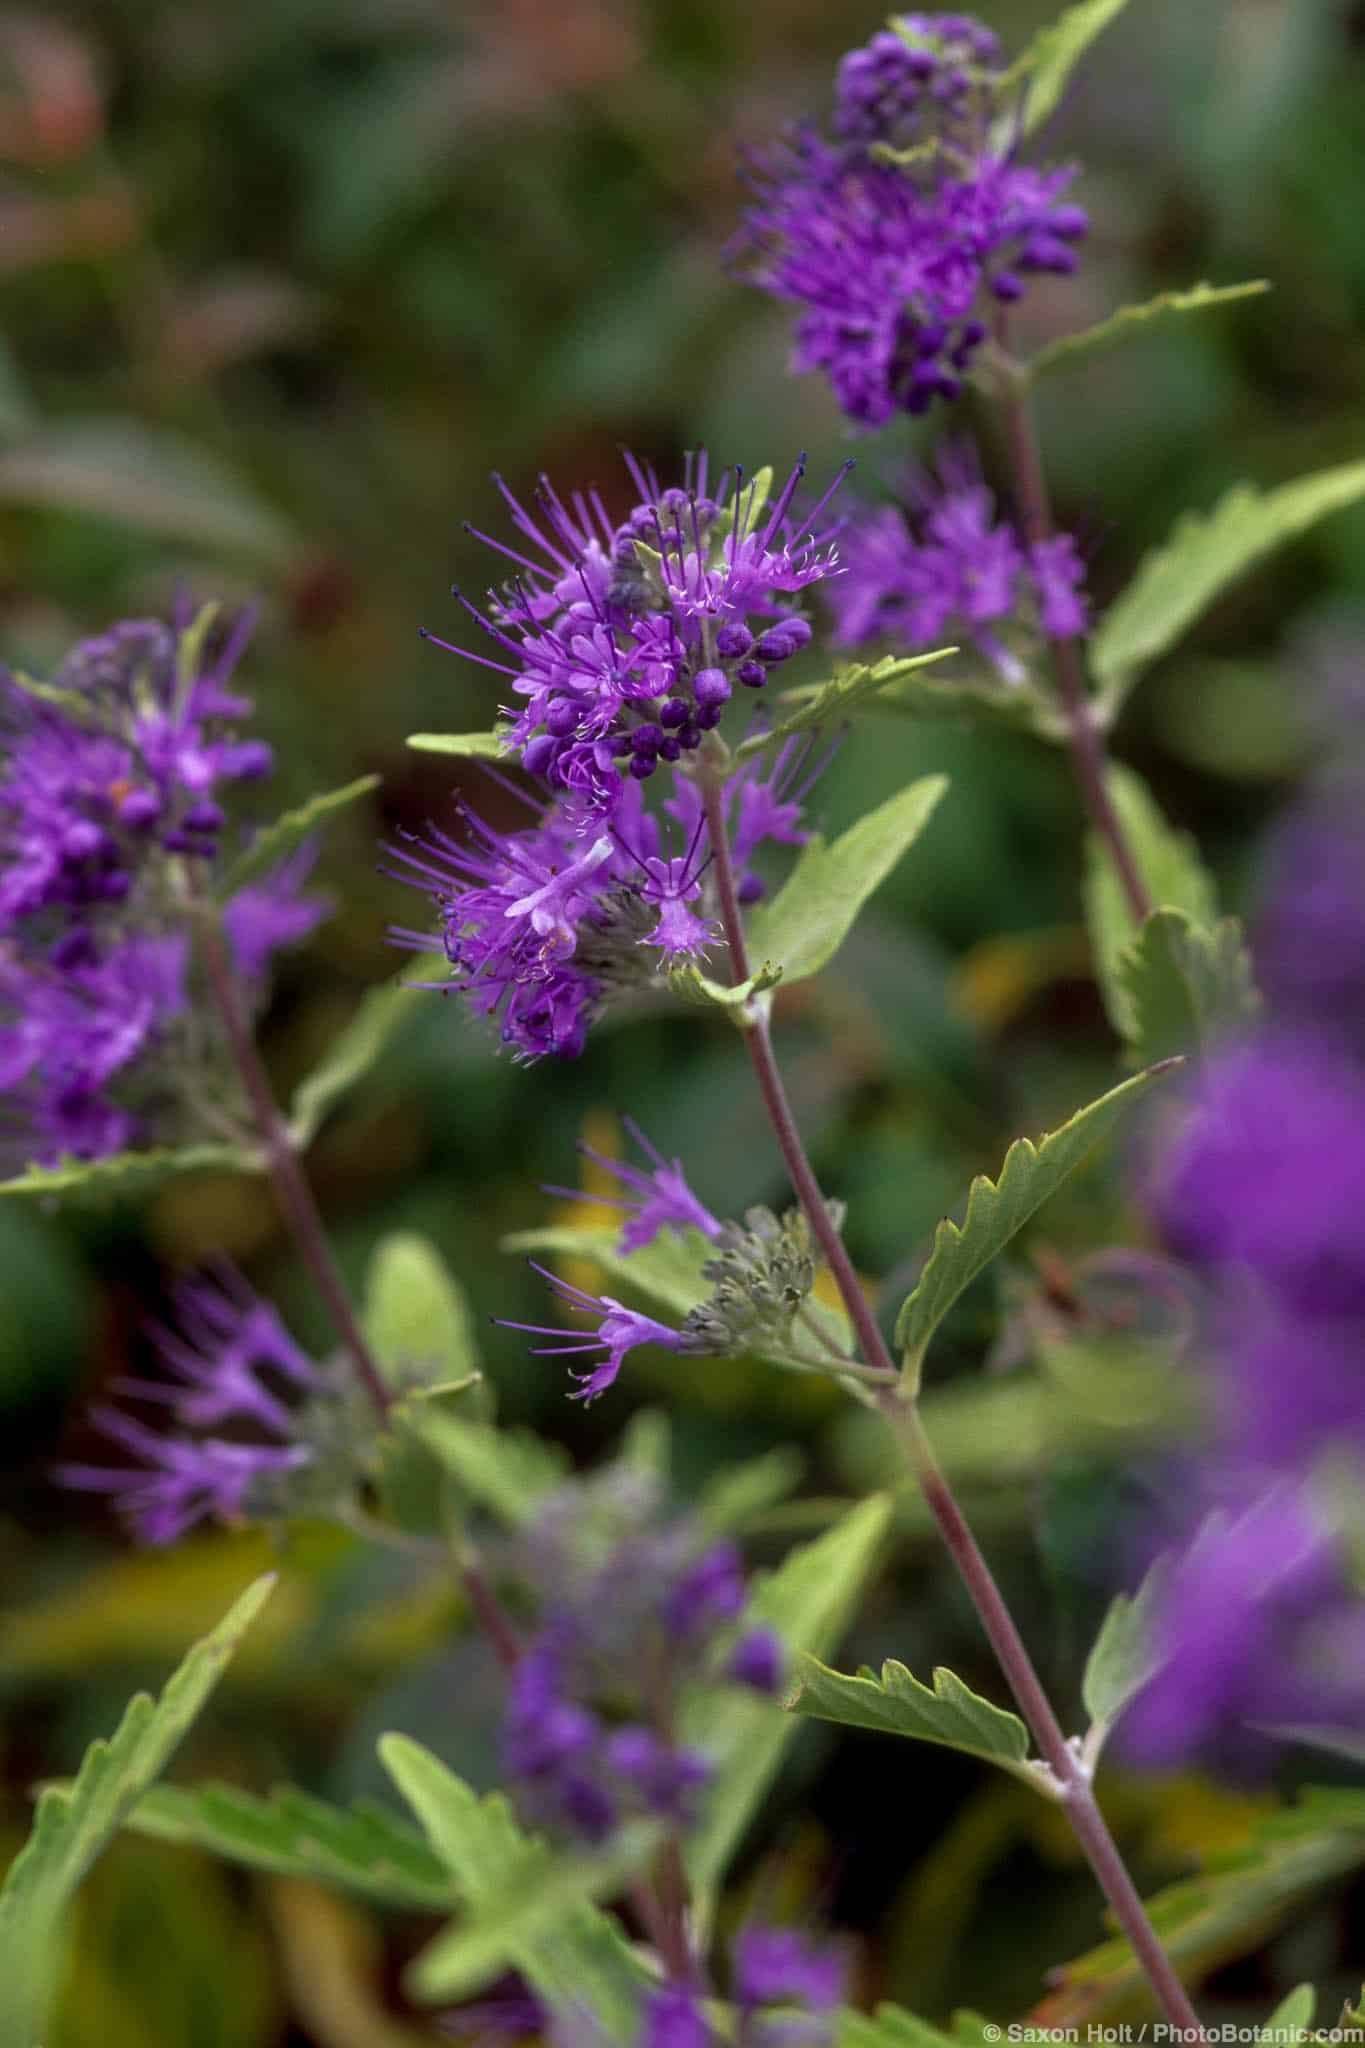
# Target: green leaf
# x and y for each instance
(1176, 879)
(576, 1958)
(814, 911)
(892, 2027)
(808, 1600)
(817, 703)
(126, 1176)
(1185, 988)
(1205, 553)
(739, 1493)
(362, 1848)
(148, 477)
(1228, 1909)
(948, 1713)
(691, 986)
(378, 1015)
(997, 1210)
(468, 746)
(1047, 63)
(538, 1898)
(506, 1471)
(416, 1315)
(75, 1822)
(1124, 1655)
(277, 841)
(1152, 313)
(1292, 2017)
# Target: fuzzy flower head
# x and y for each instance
(636, 1611)
(895, 265)
(231, 1365)
(949, 568)
(544, 927)
(622, 643)
(1260, 1627)
(110, 809)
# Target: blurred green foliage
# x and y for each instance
(281, 284)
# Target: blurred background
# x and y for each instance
(282, 282)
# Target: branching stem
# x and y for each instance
(903, 1418)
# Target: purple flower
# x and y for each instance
(109, 794)
(920, 75)
(894, 267)
(586, 1740)
(227, 1342)
(759, 1661)
(178, 1481)
(620, 1331)
(1260, 1627)
(72, 1024)
(674, 2019)
(265, 917)
(658, 1200)
(709, 1593)
(764, 806)
(542, 926)
(953, 570)
(1310, 951)
(780, 1967)
(624, 642)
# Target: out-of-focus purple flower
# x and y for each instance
(759, 1661)
(778, 1966)
(624, 641)
(229, 1359)
(709, 1593)
(128, 759)
(895, 266)
(1260, 1627)
(921, 73)
(620, 1331)
(1310, 937)
(674, 2019)
(952, 570)
(264, 918)
(73, 1025)
(109, 796)
(542, 927)
(659, 1199)
(586, 1739)
(177, 1480)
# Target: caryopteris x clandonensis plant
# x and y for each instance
(637, 699)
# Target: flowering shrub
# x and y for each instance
(659, 767)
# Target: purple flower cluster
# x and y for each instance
(1262, 1190)
(231, 1363)
(544, 926)
(787, 1990)
(915, 80)
(624, 642)
(895, 265)
(954, 570)
(111, 785)
(636, 1609)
